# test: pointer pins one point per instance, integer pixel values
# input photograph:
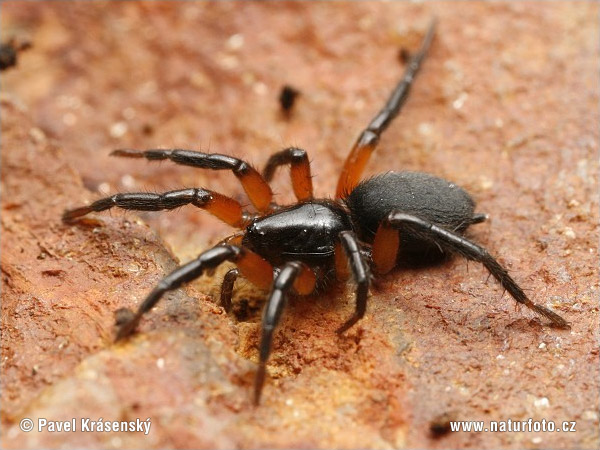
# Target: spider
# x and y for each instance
(370, 226)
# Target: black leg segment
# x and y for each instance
(398, 97)
(227, 288)
(256, 187)
(210, 259)
(225, 208)
(369, 138)
(299, 169)
(362, 277)
(143, 201)
(282, 285)
(214, 161)
(456, 243)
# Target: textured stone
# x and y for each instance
(506, 106)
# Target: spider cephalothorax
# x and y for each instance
(365, 231)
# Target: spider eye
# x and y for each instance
(254, 236)
(255, 229)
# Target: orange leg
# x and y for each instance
(342, 271)
(225, 208)
(251, 265)
(385, 248)
(255, 268)
(305, 281)
(355, 163)
(299, 171)
(369, 138)
(256, 187)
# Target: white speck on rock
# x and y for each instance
(590, 415)
(128, 181)
(38, 136)
(118, 129)
(260, 88)
(568, 232)
(235, 42)
(460, 101)
(89, 375)
(485, 183)
(104, 188)
(425, 128)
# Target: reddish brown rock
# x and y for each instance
(506, 106)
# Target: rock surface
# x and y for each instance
(506, 106)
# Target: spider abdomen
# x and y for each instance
(305, 232)
(425, 196)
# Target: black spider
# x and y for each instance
(299, 248)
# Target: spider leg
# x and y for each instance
(294, 275)
(252, 266)
(479, 218)
(385, 247)
(369, 138)
(360, 271)
(227, 288)
(456, 243)
(299, 171)
(221, 206)
(256, 187)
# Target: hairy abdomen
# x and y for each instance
(430, 198)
